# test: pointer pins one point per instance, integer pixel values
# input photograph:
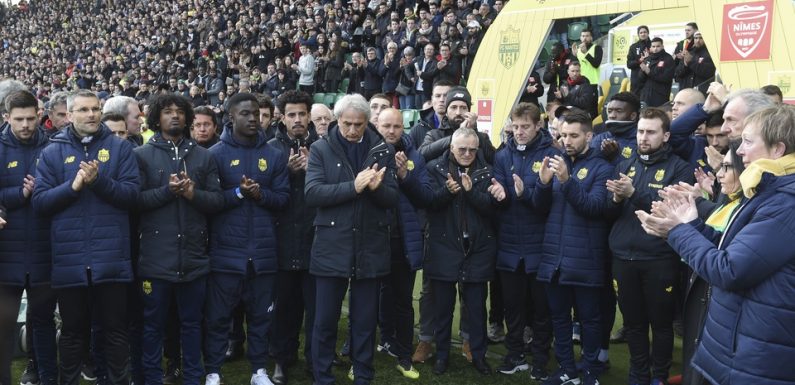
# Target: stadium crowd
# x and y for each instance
(240, 198)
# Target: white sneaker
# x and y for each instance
(260, 378)
(213, 379)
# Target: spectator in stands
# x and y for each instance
(577, 91)
(446, 68)
(408, 77)
(56, 113)
(636, 55)
(389, 71)
(372, 74)
(266, 108)
(423, 86)
(306, 70)
(685, 45)
(127, 106)
(533, 90)
(355, 72)
(117, 124)
(589, 55)
(427, 34)
(657, 75)
(557, 68)
(470, 47)
(696, 68)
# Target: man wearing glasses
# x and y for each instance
(461, 245)
(87, 181)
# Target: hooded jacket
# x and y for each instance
(90, 228)
(25, 255)
(244, 233)
(174, 230)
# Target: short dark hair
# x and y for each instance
(113, 117)
(629, 98)
(693, 25)
(715, 119)
(206, 111)
(576, 115)
(241, 97)
(772, 90)
(643, 27)
(20, 99)
(528, 110)
(158, 102)
(656, 113)
(737, 160)
(294, 97)
(381, 96)
(443, 83)
(265, 101)
(587, 29)
(657, 40)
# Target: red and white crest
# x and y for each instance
(746, 31)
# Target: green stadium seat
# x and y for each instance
(319, 97)
(409, 117)
(329, 99)
(344, 85)
(349, 58)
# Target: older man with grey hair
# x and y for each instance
(350, 178)
(56, 113)
(127, 107)
(8, 86)
(322, 117)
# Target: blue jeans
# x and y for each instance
(407, 102)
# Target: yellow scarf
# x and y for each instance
(720, 217)
(752, 175)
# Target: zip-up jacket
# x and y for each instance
(520, 221)
(244, 232)
(351, 229)
(172, 229)
(460, 241)
(415, 194)
(575, 239)
(649, 174)
(25, 255)
(90, 228)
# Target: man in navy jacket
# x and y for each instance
(350, 178)
(243, 262)
(179, 190)
(25, 255)
(575, 244)
(87, 181)
(521, 232)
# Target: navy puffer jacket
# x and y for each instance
(521, 220)
(90, 229)
(575, 241)
(748, 333)
(245, 231)
(25, 255)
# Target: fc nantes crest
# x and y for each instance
(509, 46)
(659, 175)
(147, 287)
(626, 152)
(582, 173)
(536, 166)
(104, 155)
(262, 164)
(409, 165)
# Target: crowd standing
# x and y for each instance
(240, 198)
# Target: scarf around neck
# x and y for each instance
(752, 175)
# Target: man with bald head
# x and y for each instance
(322, 117)
(397, 320)
(684, 100)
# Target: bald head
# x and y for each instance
(684, 100)
(322, 116)
(390, 125)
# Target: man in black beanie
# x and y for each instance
(458, 103)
